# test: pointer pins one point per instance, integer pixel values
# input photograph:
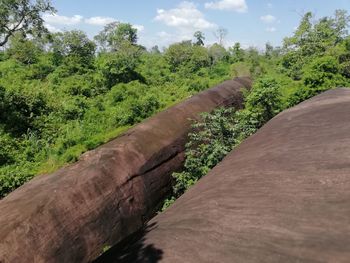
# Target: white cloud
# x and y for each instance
(99, 20)
(62, 20)
(231, 5)
(52, 29)
(186, 16)
(268, 19)
(270, 29)
(139, 28)
(164, 39)
(269, 5)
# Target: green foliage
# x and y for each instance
(22, 16)
(20, 108)
(60, 95)
(59, 101)
(321, 74)
(13, 177)
(140, 110)
(187, 56)
(7, 149)
(237, 53)
(116, 34)
(218, 53)
(73, 50)
(23, 50)
(217, 133)
(119, 66)
(313, 39)
(209, 141)
(264, 100)
(199, 36)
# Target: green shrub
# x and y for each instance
(323, 73)
(140, 110)
(217, 133)
(12, 177)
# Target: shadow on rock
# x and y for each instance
(133, 249)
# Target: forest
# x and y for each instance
(62, 94)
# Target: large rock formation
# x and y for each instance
(69, 216)
(282, 196)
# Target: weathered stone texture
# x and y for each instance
(69, 216)
(282, 196)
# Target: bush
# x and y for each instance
(217, 133)
(20, 107)
(7, 149)
(140, 110)
(12, 177)
(323, 73)
(119, 66)
(264, 101)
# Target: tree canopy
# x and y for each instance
(62, 94)
(115, 34)
(22, 16)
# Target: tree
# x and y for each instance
(73, 48)
(313, 39)
(237, 53)
(188, 56)
(117, 67)
(323, 73)
(220, 34)
(264, 100)
(178, 54)
(341, 23)
(268, 50)
(155, 50)
(217, 53)
(301, 34)
(22, 16)
(114, 34)
(199, 38)
(24, 50)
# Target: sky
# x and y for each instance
(162, 22)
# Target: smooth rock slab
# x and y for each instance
(282, 196)
(71, 215)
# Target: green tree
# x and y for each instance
(236, 52)
(117, 67)
(22, 16)
(312, 39)
(115, 34)
(178, 54)
(268, 50)
(155, 50)
(186, 56)
(199, 36)
(24, 50)
(74, 49)
(217, 53)
(264, 101)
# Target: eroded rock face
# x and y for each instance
(69, 216)
(282, 196)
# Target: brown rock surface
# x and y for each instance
(282, 196)
(109, 193)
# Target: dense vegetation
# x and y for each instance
(63, 94)
(314, 59)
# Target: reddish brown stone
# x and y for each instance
(282, 196)
(109, 193)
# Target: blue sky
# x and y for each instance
(161, 22)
